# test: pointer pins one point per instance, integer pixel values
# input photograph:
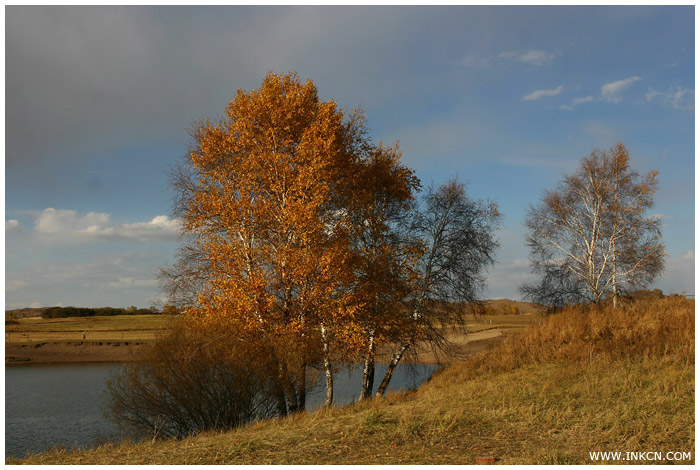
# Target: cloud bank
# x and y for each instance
(63, 224)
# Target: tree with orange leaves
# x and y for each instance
(301, 235)
(267, 247)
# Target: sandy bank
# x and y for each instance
(73, 351)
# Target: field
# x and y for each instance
(573, 383)
(119, 337)
(107, 328)
(108, 338)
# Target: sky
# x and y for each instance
(99, 100)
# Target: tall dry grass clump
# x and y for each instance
(584, 334)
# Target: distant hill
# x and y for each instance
(501, 305)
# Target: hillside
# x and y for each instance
(577, 382)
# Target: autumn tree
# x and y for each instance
(458, 238)
(591, 236)
(264, 248)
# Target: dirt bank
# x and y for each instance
(74, 351)
(126, 351)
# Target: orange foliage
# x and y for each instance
(260, 208)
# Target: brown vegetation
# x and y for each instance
(582, 380)
(584, 334)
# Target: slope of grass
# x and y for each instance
(579, 382)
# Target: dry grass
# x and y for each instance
(540, 399)
(98, 328)
(653, 328)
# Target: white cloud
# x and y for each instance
(611, 91)
(475, 62)
(577, 101)
(535, 57)
(61, 224)
(675, 97)
(160, 227)
(583, 99)
(56, 221)
(531, 57)
(535, 95)
(12, 226)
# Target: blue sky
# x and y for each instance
(99, 100)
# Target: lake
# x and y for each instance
(49, 405)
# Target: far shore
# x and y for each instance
(73, 351)
(122, 338)
(129, 351)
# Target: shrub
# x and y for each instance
(194, 380)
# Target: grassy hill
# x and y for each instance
(573, 383)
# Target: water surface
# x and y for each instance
(48, 405)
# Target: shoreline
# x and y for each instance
(73, 351)
(49, 352)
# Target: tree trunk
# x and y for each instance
(390, 370)
(327, 367)
(368, 372)
(280, 394)
(301, 393)
(614, 274)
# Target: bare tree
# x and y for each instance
(590, 236)
(459, 242)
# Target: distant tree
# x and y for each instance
(458, 237)
(591, 235)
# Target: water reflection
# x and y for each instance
(63, 405)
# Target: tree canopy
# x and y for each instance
(301, 234)
(591, 236)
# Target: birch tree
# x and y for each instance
(458, 237)
(591, 233)
(289, 217)
(256, 195)
(385, 252)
